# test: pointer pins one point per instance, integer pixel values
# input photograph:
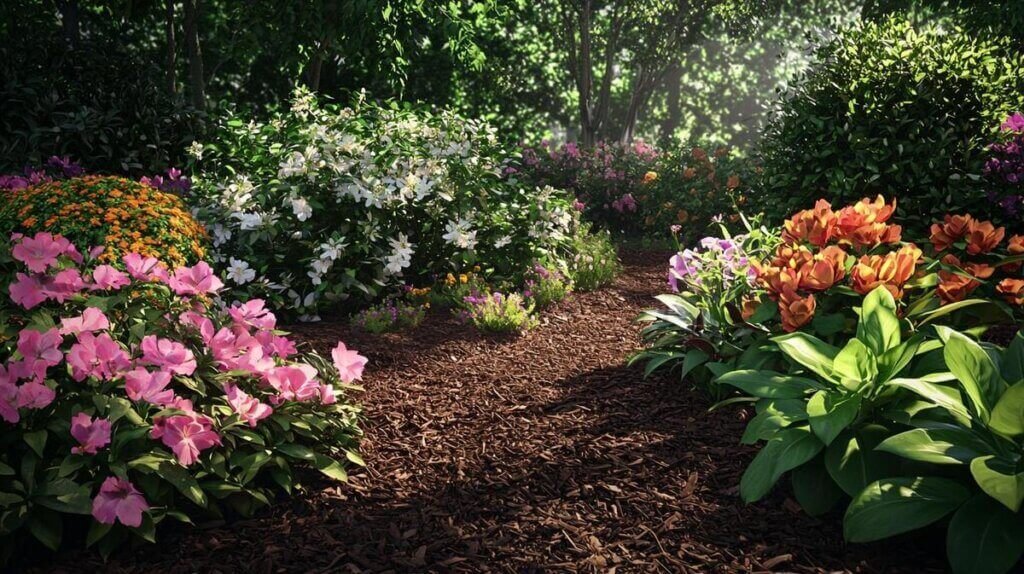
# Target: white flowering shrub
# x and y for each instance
(323, 204)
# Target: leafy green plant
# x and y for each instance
(593, 261)
(389, 316)
(499, 313)
(546, 286)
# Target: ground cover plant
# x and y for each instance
(131, 396)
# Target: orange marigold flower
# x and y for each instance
(650, 176)
(983, 237)
(815, 226)
(796, 311)
(891, 270)
(1012, 290)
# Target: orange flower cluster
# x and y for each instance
(796, 273)
(974, 238)
(121, 215)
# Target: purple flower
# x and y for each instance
(1014, 123)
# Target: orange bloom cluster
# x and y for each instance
(975, 238)
(980, 236)
(1012, 290)
(795, 273)
(956, 286)
(121, 215)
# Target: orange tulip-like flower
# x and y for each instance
(815, 226)
(952, 229)
(891, 270)
(863, 224)
(749, 306)
(1014, 247)
(650, 177)
(983, 237)
(796, 311)
(1012, 290)
(733, 182)
(956, 286)
(826, 269)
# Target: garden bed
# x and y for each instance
(537, 453)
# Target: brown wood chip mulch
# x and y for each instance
(542, 453)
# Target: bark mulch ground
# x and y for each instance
(541, 453)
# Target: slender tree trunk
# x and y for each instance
(171, 61)
(197, 83)
(314, 69)
(69, 21)
(585, 74)
(673, 89)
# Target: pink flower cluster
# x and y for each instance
(87, 347)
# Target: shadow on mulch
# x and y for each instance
(540, 453)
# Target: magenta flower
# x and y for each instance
(195, 280)
(39, 253)
(167, 354)
(294, 383)
(186, 435)
(27, 291)
(199, 322)
(62, 286)
(1014, 123)
(35, 395)
(90, 321)
(105, 277)
(91, 434)
(145, 268)
(96, 356)
(349, 363)
(9, 402)
(40, 350)
(253, 314)
(250, 409)
(118, 499)
(142, 385)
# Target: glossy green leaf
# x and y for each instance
(787, 450)
(853, 462)
(896, 505)
(984, 538)
(879, 328)
(947, 445)
(831, 412)
(855, 366)
(972, 366)
(814, 488)
(809, 351)
(1000, 480)
(768, 384)
(1008, 414)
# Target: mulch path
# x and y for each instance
(541, 453)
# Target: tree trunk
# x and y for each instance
(197, 85)
(171, 61)
(673, 87)
(585, 73)
(69, 21)
(314, 70)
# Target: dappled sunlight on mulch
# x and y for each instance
(541, 453)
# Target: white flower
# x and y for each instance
(301, 208)
(196, 150)
(321, 266)
(459, 234)
(221, 234)
(502, 241)
(401, 246)
(248, 221)
(239, 271)
(294, 164)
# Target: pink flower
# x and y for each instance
(39, 253)
(63, 285)
(253, 314)
(349, 363)
(195, 280)
(142, 385)
(187, 435)
(106, 277)
(119, 499)
(91, 434)
(27, 291)
(1014, 123)
(249, 408)
(9, 402)
(168, 354)
(96, 356)
(40, 350)
(200, 322)
(90, 321)
(294, 383)
(276, 345)
(35, 395)
(144, 268)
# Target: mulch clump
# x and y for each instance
(541, 453)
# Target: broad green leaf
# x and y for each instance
(947, 445)
(787, 450)
(295, 450)
(36, 440)
(984, 538)
(999, 479)
(1008, 414)
(941, 395)
(809, 351)
(1012, 367)
(853, 462)
(330, 467)
(97, 530)
(772, 415)
(855, 366)
(694, 358)
(972, 366)
(47, 526)
(768, 384)
(814, 489)
(181, 479)
(831, 412)
(893, 361)
(879, 328)
(896, 505)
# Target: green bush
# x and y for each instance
(893, 109)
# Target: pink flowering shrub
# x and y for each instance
(130, 397)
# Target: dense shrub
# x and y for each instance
(323, 204)
(97, 103)
(135, 397)
(119, 214)
(894, 110)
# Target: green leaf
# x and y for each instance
(179, 477)
(787, 450)
(772, 415)
(330, 467)
(831, 412)
(855, 366)
(879, 328)
(893, 361)
(1008, 415)
(972, 366)
(814, 489)
(946, 445)
(1012, 366)
(896, 505)
(47, 527)
(37, 441)
(853, 462)
(768, 384)
(97, 530)
(999, 479)
(295, 450)
(809, 351)
(984, 538)
(946, 397)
